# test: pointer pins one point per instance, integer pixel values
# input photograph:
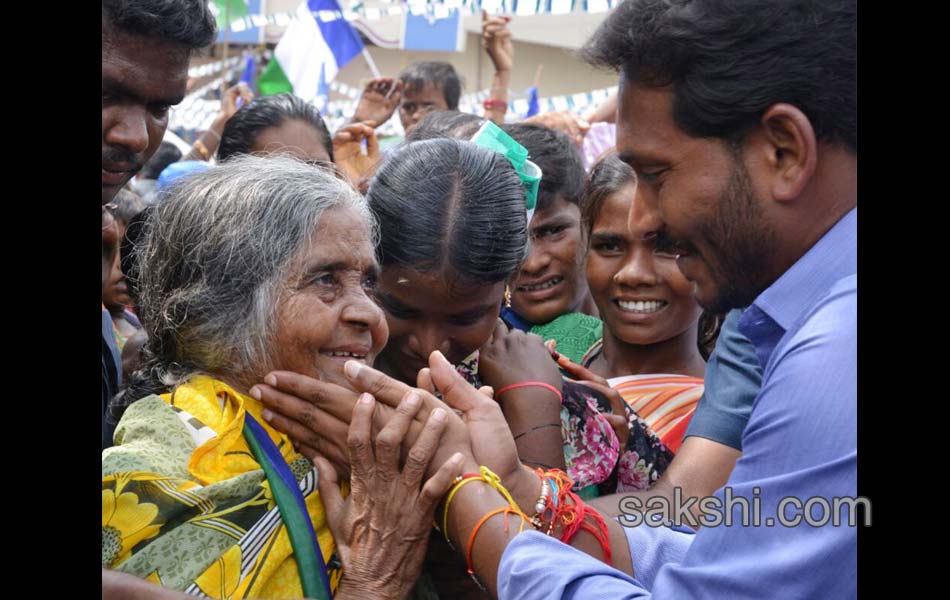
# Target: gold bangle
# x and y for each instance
(202, 149)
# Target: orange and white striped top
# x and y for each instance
(665, 402)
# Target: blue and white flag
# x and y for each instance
(314, 47)
(534, 106)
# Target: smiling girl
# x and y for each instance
(649, 350)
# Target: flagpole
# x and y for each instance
(371, 63)
(224, 59)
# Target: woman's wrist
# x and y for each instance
(537, 389)
(352, 588)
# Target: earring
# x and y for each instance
(507, 297)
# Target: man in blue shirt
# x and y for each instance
(732, 381)
(740, 120)
(713, 440)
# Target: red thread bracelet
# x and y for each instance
(530, 384)
(494, 104)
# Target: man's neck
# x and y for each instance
(830, 195)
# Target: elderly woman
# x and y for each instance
(255, 265)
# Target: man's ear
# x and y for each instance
(785, 145)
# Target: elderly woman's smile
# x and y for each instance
(326, 315)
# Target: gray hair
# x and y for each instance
(217, 252)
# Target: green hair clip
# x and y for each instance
(492, 137)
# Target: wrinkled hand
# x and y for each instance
(486, 431)
(515, 356)
(479, 425)
(583, 375)
(496, 40)
(315, 415)
(566, 122)
(348, 149)
(229, 101)
(382, 528)
(374, 105)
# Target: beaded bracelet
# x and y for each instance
(541, 504)
(572, 516)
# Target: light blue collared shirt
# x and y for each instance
(801, 442)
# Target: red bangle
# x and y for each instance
(530, 384)
(492, 104)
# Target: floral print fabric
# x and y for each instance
(592, 452)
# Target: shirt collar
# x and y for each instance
(833, 257)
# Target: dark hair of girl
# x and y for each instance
(242, 129)
(448, 204)
(607, 177)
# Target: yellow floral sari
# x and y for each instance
(187, 506)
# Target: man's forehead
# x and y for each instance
(144, 51)
(428, 90)
(558, 208)
(645, 115)
(148, 67)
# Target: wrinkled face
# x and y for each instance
(551, 281)
(415, 104)
(642, 296)
(141, 79)
(699, 199)
(428, 312)
(293, 137)
(326, 315)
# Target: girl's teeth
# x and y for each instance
(648, 306)
(542, 286)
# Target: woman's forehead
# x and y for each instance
(342, 236)
(440, 291)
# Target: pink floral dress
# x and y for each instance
(592, 450)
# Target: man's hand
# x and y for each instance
(566, 122)
(583, 375)
(379, 101)
(496, 40)
(229, 101)
(348, 149)
(382, 528)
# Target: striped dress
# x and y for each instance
(665, 401)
